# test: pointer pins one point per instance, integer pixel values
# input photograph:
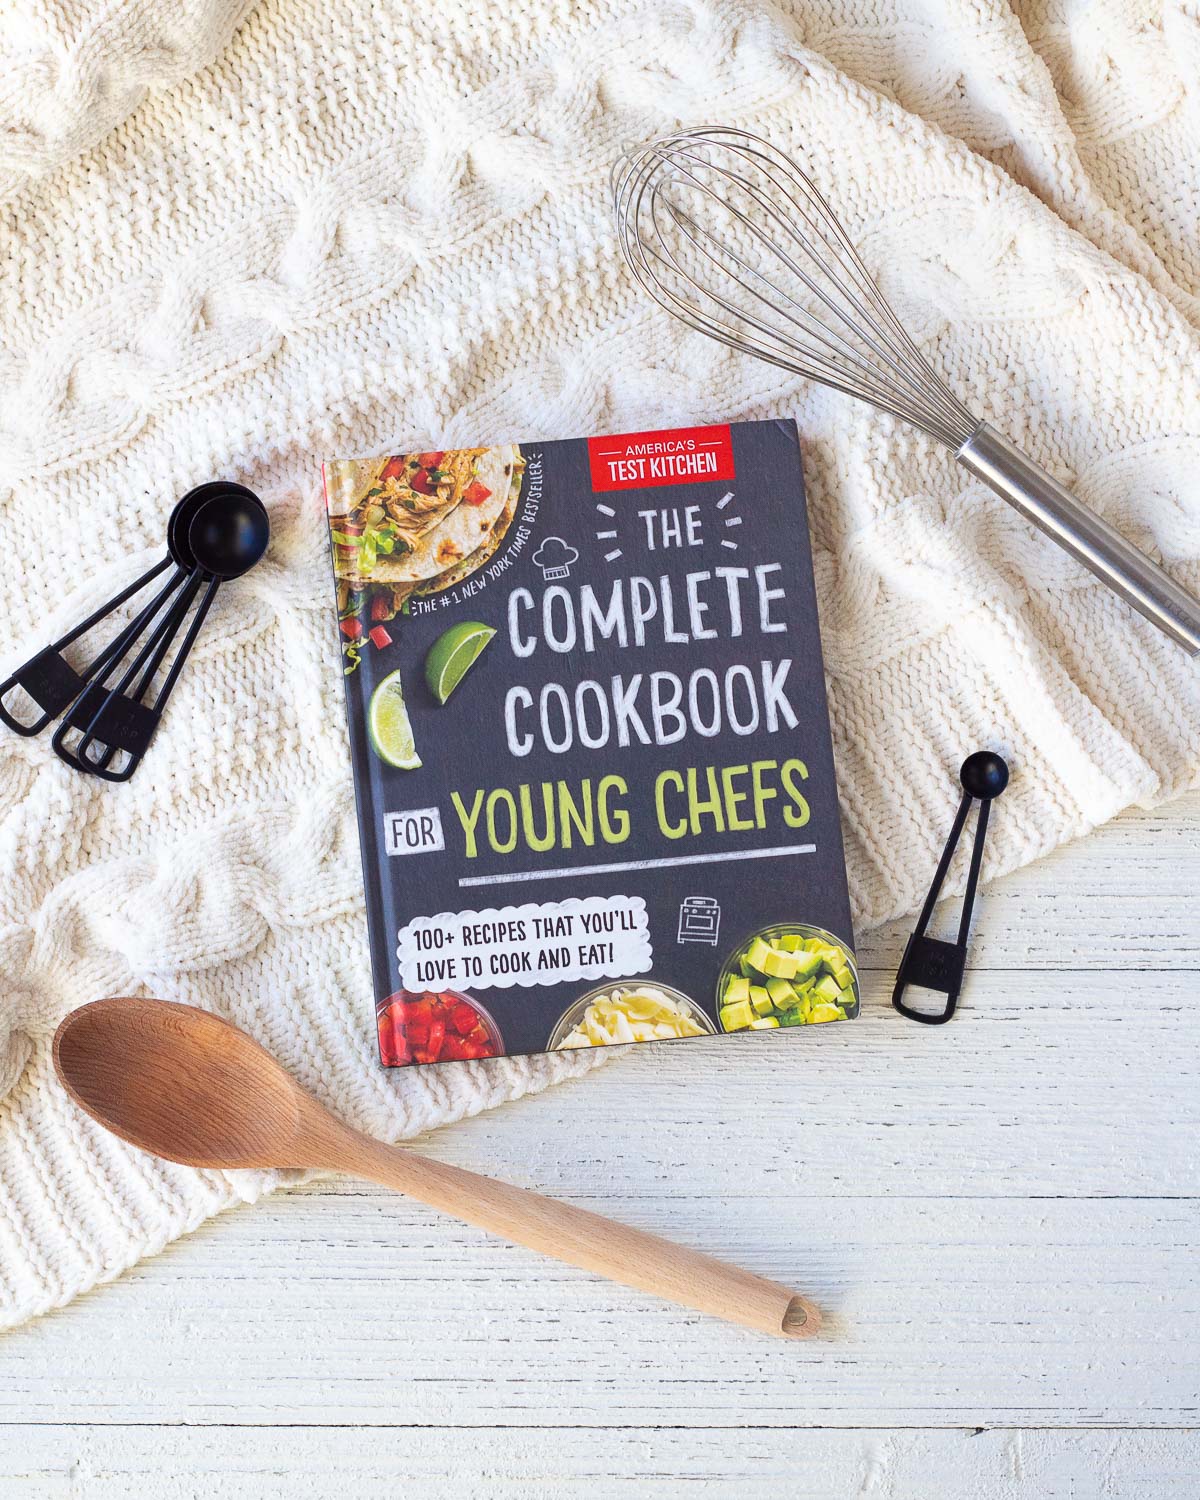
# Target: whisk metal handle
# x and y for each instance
(1040, 498)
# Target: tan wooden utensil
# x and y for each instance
(184, 1084)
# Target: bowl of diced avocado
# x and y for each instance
(789, 975)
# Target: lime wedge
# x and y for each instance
(387, 724)
(452, 656)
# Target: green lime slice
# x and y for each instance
(387, 724)
(453, 655)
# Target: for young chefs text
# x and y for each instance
(598, 712)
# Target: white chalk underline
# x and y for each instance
(511, 877)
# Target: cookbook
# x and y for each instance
(590, 742)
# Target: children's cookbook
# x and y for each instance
(590, 741)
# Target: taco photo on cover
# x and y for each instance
(414, 523)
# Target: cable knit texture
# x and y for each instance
(351, 227)
(72, 69)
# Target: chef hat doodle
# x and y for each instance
(555, 557)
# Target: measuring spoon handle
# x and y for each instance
(49, 679)
(122, 722)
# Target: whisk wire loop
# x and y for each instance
(729, 235)
(794, 312)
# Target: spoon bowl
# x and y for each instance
(180, 520)
(229, 533)
(125, 1062)
(185, 510)
(184, 1084)
(984, 775)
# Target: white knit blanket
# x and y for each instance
(239, 238)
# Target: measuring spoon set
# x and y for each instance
(111, 705)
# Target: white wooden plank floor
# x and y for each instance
(1000, 1218)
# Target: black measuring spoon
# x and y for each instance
(227, 533)
(929, 963)
(84, 706)
(50, 681)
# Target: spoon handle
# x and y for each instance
(584, 1239)
(51, 682)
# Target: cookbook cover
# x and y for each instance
(591, 748)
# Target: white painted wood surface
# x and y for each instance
(1000, 1217)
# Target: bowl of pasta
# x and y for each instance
(631, 1010)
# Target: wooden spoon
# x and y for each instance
(184, 1084)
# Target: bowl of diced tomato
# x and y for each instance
(432, 1026)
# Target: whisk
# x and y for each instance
(729, 234)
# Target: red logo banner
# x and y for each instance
(637, 460)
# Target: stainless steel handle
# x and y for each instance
(1040, 498)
